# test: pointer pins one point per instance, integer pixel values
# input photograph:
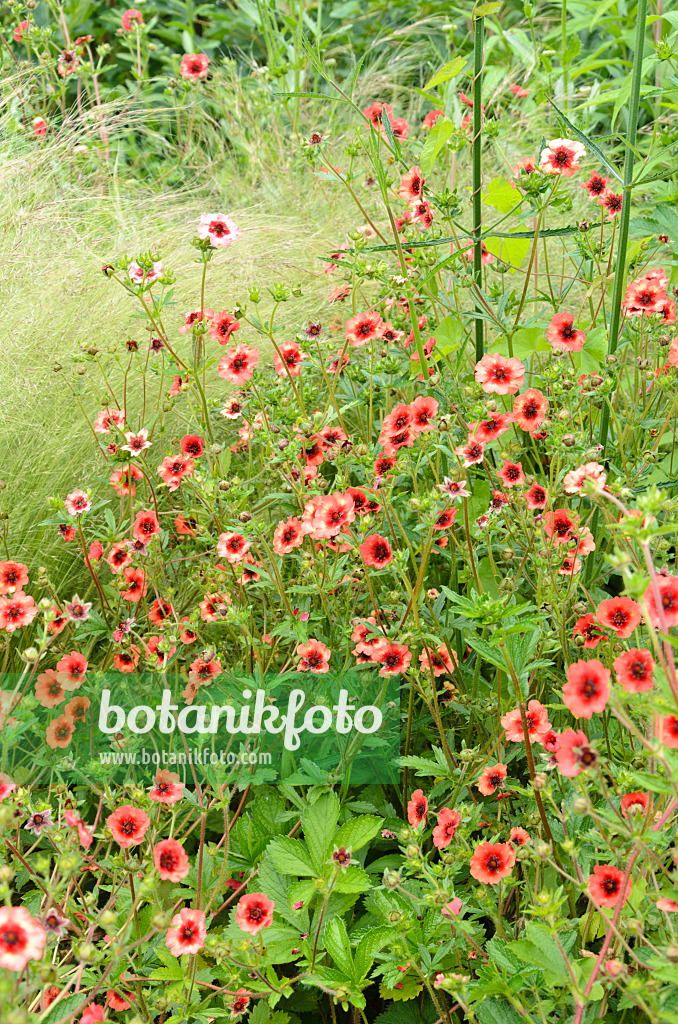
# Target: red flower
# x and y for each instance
(519, 837)
(19, 30)
(192, 445)
(159, 611)
(499, 375)
(492, 428)
(537, 723)
(288, 361)
(518, 91)
(363, 327)
(668, 596)
(314, 656)
(422, 214)
(529, 409)
(167, 788)
(376, 550)
(131, 18)
(71, 670)
(48, 690)
(511, 474)
(13, 576)
(595, 186)
(439, 661)
(146, 525)
(633, 802)
(422, 410)
(492, 861)
(331, 515)
(128, 825)
(393, 658)
(254, 912)
(558, 525)
(431, 118)
(587, 627)
(563, 335)
(122, 479)
(223, 326)
(667, 731)
(194, 65)
(612, 202)
(417, 808)
(605, 886)
(620, 614)
(241, 1002)
(232, 547)
(187, 934)
(288, 535)
(60, 731)
(411, 185)
(174, 468)
(646, 294)
(171, 861)
(445, 519)
(384, 464)
(126, 661)
(448, 822)
(492, 778)
(195, 316)
(136, 587)
(586, 691)
(238, 364)
(536, 497)
(471, 453)
(634, 670)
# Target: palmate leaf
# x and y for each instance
(587, 142)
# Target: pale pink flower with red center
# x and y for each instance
(561, 156)
(499, 375)
(194, 65)
(219, 228)
(136, 443)
(131, 19)
(288, 360)
(646, 294)
(315, 657)
(107, 418)
(492, 778)
(232, 409)
(470, 453)
(77, 502)
(238, 364)
(363, 328)
(16, 611)
(563, 335)
(22, 938)
(576, 479)
(167, 788)
(232, 546)
(145, 277)
(194, 317)
(423, 410)
(188, 931)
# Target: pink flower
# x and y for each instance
(188, 931)
(254, 912)
(219, 228)
(453, 908)
(131, 18)
(563, 335)
(22, 938)
(194, 65)
(574, 480)
(499, 375)
(77, 502)
(561, 156)
(171, 861)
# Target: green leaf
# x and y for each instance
(508, 250)
(187, 42)
(436, 139)
(353, 879)
(502, 195)
(594, 351)
(338, 945)
(447, 71)
(320, 823)
(497, 1011)
(290, 858)
(356, 833)
(448, 335)
(370, 944)
(587, 141)
(489, 8)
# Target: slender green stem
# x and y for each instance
(620, 271)
(477, 179)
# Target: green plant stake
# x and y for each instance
(477, 178)
(620, 272)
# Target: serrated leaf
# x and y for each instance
(290, 858)
(370, 944)
(338, 945)
(320, 823)
(353, 879)
(355, 833)
(587, 142)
